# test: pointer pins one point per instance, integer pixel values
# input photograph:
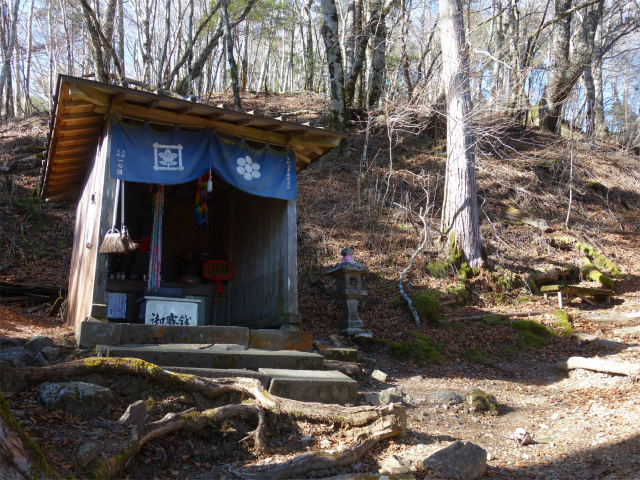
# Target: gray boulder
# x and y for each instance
(135, 414)
(14, 356)
(85, 400)
(385, 397)
(51, 353)
(37, 344)
(459, 461)
(396, 464)
(446, 397)
(85, 454)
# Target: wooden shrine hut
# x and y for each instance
(251, 231)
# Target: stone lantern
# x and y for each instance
(348, 278)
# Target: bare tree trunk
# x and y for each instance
(460, 207)
(233, 67)
(311, 63)
(27, 80)
(9, 41)
(378, 50)
(404, 57)
(120, 31)
(245, 59)
(334, 62)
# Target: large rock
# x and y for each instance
(85, 400)
(446, 397)
(85, 454)
(459, 461)
(385, 397)
(396, 464)
(14, 356)
(136, 414)
(479, 401)
(37, 344)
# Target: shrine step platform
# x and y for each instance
(90, 334)
(214, 356)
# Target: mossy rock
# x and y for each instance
(460, 291)
(439, 268)
(602, 263)
(465, 271)
(480, 401)
(505, 281)
(369, 344)
(533, 334)
(494, 319)
(420, 349)
(533, 286)
(398, 302)
(476, 355)
(427, 304)
(590, 272)
(597, 186)
(525, 299)
(564, 322)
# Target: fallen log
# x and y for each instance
(597, 365)
(516, 215)
(612, 318)
(529, 313)
(627, 331)
(601, 342)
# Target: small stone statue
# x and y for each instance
(347, 255)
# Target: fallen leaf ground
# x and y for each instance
(585, 425)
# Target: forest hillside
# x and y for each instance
(554, 209)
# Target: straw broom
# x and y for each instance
(127, 241)
(112, 242)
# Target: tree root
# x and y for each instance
(365, 438)
(373, 423)
(18, 379)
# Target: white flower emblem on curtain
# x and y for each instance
(168, 158)
(248, 168)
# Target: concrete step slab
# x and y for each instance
(323, 386)
(221, 373)
(90, 334)
(342, 354)
(213, 356)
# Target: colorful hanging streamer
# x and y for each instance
(202, 211)
(155, 259)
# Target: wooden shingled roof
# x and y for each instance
(82, 105)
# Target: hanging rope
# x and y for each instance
(155, 259)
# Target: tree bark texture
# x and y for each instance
(460, 209)
(334, 63)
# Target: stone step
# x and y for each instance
(324, 386)
(221, 373)
(214, 356)
(90, 334)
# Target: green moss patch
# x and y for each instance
(427, 304)
(439, 268)
(369, 344)
(590, 272)
(476, 355)
(602, 263)
(564, 322)
(421, 349)
(532, 333)
(494, 319)
(460, 291)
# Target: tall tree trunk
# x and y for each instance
(460, 207)
(245, 59)
(9, 41)
(404, 57)
(378, 64)
(233, 67)
(334, 62)
(162, 78)
(311, 63)
(27, 80)
(120, 31)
